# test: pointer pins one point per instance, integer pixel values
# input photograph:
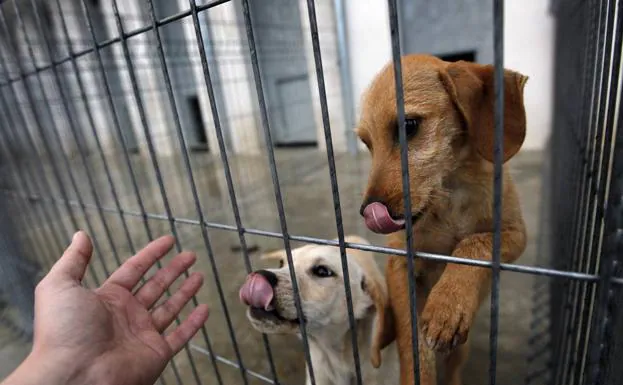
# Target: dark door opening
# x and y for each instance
(198, 124)
(456, 56)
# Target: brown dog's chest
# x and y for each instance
(437, 233)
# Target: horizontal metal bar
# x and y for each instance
(108, 42)
(231, 363)
(525, 269)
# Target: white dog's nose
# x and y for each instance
(257, 292)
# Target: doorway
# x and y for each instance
(283, 64)
(197, 124)
(469, 56)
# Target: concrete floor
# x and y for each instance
(309, 211)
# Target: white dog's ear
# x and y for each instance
(383, 332)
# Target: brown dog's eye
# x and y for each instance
(412, 126)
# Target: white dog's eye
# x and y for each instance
(322, 271)
(281, 263)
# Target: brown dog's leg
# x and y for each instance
(455, 298)
(454, 364)
(398, 286)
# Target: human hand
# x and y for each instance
(109, 335)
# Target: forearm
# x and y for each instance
(480, 247)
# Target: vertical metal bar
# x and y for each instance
(225, 162)
(193, 188)
(116, 123)
(498, 159)
(345, 74)
(611, 229)
(595, 110)
(57, 136)
(41, 173)
(337, 207)
(606, 260)
(154, 159)
(593, 215)
(98, 143)
(53, 242)
(71, 125)
(569, 311)
(30, 220)
(90, 119)
(51, 237)
(276, 187)
(14, 140)
(406, 193)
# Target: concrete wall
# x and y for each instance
(447, 26)
(529, 48)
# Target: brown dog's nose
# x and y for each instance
(367, 202)
(378, 217)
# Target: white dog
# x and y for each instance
(270, 297)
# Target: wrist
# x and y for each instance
(53, 368)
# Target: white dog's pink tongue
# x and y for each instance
(379, 220)
(257, 292)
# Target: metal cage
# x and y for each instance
(59, 175)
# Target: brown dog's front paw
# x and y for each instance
(446, 319)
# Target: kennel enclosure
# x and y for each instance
(101, 128)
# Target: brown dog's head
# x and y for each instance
(449, 110)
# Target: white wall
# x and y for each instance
(369, 42)
(529, 49)
(528, 39)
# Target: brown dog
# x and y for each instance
(450, 131)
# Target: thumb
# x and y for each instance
(73, 263)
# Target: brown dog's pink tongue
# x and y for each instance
(379, 220)
(256, 292)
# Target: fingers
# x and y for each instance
(164, 314)
(74, 261)
(128, 274)
(149, 293)
(183, 333)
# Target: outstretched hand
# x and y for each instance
(111, 334)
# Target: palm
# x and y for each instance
(113, 327)
(133, 328)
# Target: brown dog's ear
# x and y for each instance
(383, 332)
(471, 87)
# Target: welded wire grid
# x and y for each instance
(575, 321)
(47, 190)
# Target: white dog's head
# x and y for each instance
(270, 296)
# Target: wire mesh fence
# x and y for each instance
(585, 229)
(103, 110)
